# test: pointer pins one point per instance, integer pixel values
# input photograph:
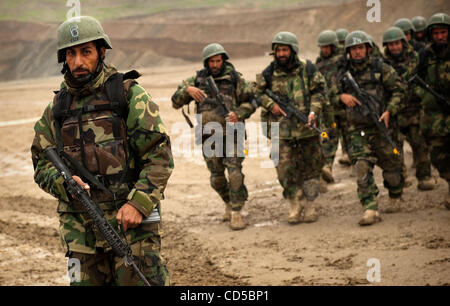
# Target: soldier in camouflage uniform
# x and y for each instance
(408, 28)
(420, 26)
(237, 95)
(327, 63)
(126, 149)
(401, 55)
(300, 155)
(435, 70)
(344, 160)
(368, 147)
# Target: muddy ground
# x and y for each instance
(412, 246)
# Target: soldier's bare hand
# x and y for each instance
(128, 216)
(311, 120)
(196, 93)
(80, 182)
(349, 100)
(385, 117)
(277, 111)
(232, 117)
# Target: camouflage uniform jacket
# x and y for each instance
(384, 84)
(406, 66)
(236, 92)
(435, 70)
(145, 141)
(288, 83)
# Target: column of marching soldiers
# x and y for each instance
(368, 100)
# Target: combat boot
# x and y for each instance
(310, 214)
(393, 205)
(408, 183)
(227, 214)
(427, 183)
(345, 160)
(370, 217)
(327, 174)
(295, 210)
(237, 222)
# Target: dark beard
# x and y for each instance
(289, 63)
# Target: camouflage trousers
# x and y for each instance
(231, 190)
(440, 155)
(366, 149)
(330, 146)
(106, 269)
(413, 136)
(299, 166)
(99, 266)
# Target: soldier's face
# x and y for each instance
(439, 35)
(215, 63)
(325, 51)
(408, 36)
(282, 53)
(395, 47)
(420, 34)
(358, 52)
(83, 59)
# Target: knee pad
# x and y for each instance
(311, 189)
(363, 169)
(393, 178)
(218, 181)
(236, 178)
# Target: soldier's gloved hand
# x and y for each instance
(349, 100)
(277, 111)
(83, 185)
(232, 117)
(385, 117)
(196, 93)
(128, 216)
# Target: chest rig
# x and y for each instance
(92, 137)
(370, 80)
(226, 84)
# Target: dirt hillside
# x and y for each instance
(412, 246)
(174, 37)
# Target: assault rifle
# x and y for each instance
(216, 97)
(119, 247)
(291, 111)
(367, 109)
(440, 98)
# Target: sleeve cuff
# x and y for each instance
(141, 201)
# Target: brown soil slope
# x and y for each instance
(28, 49)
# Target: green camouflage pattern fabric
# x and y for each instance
(149, 145)
(408, 118)
(332, 122)
(288, 83)
(299, 147)
(366, 145)
(435, 123)
(369, 148)
(299, 166)
(106, 269)
(238, 100)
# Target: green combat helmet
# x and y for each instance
(393, 34)
(405, 24)
(419, 23)
(326, 38)
(356, 38)
(438, 19)
(212, 50)
(77, 31)
(286, 38)
(341, 34)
